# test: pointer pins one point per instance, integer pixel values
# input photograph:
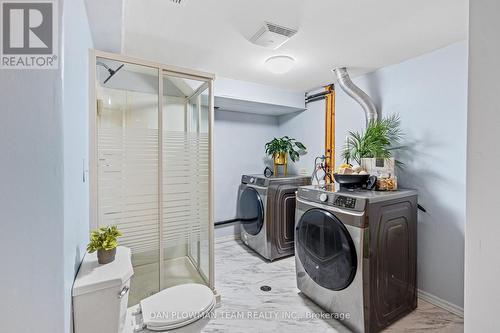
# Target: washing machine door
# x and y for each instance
(326, 249)
(251, 211)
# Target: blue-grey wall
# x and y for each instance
(75, 98)
(31, 197)
(309, 127)
(251, 131)
(43, 203)
(430, 94)
(239, 140)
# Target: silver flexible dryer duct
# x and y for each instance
(356, 93)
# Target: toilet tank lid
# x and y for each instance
(92, 276)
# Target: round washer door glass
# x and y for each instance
(251, 211)
(326, 249)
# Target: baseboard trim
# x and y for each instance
(455, 309)
(228, 238)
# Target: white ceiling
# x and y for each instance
(212, 35)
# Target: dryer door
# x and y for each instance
(325, 249)
(251, 211)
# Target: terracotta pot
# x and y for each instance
(106, 256)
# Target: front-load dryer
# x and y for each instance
(355, 254)
(266, 210)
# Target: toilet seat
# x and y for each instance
(177, 306)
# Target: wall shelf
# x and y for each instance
(239, 105)
(248, 97)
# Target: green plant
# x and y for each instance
(377, 141)
(286, 145)
(103, 238)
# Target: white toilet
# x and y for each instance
(185, 306)
(100, 297)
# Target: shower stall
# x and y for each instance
(151, 168)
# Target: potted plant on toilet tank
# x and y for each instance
(281, 148)
(103, 240)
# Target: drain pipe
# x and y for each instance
(356, 93)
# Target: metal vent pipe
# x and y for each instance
(356, 93)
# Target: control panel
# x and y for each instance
(355, 201)
(249, 179)
(344, 202)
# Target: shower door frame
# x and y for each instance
(188, 127)
(163, 71)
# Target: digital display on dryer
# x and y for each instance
(345, 202)
(260, 182)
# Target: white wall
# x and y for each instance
(239, 140)
(75, 73)
(430, 94)
(482, 268)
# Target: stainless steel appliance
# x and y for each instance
(266, 210)
(355, 253)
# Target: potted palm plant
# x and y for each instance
(378, 140)
(281, 148)
(372, 149)
(103, 240)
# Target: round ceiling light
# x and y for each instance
(280, 64)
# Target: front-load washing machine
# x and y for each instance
(266, 210)
(355, 254)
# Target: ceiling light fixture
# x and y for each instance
(280, 64)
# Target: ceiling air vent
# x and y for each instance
(272, 35)
(178, 2)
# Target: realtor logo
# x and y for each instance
(29, 35)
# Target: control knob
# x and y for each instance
(323, 197)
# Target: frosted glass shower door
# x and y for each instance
(185, 164)
(128, 166)
(150, 168)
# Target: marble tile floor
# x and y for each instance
(246, 309)
(240, 273)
